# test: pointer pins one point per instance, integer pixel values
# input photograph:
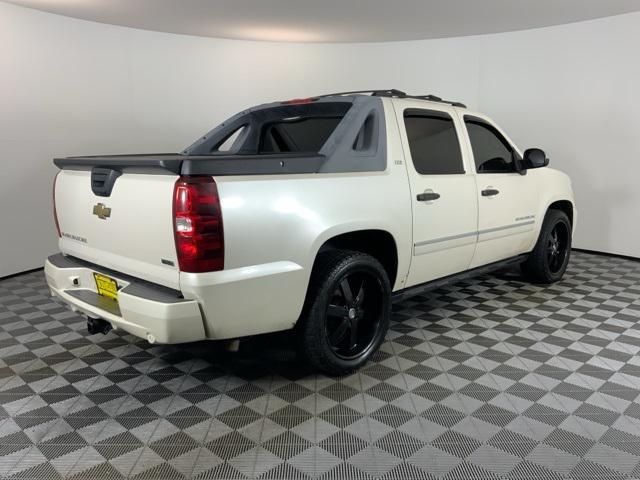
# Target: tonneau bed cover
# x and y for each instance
(200, 165)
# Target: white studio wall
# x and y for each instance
(70, 87)
(573, 91)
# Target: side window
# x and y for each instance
(491, 151)
(433, 142)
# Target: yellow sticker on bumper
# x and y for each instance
(106, 286)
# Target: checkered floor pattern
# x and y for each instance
(488, 378)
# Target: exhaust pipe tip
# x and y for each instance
(98, 325)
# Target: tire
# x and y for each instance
(343, 324)
(550, 257)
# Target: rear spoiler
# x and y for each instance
(218, 165)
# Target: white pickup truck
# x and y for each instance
(308, 214)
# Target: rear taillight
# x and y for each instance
(197, 222)
(55, 212)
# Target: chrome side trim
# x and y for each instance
(505, 227)
(444, 239)
(470, 234)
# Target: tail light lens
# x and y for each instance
(197, 221)
(55, 212)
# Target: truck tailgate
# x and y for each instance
(130, 230)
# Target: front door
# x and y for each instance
(443, 191)
(507, 200)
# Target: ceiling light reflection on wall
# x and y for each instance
(275, 34)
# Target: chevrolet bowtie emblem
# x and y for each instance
(101, 211)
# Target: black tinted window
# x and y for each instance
(433, 142)
(298, 134)
(491, 152)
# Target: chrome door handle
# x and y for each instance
(427, 196)
(490, 192)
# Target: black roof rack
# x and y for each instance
(392, 92)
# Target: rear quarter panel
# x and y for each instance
(275, 225)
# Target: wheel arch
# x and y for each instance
(565, 206)
(562, 203)
(378, 243)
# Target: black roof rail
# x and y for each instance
(392, 92)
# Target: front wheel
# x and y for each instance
(550, 257)
(347, 311)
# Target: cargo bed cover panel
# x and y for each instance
(218, 165)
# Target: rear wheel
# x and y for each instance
(347, 311)
(549, 258)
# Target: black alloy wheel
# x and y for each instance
(557, 247)
(549, 259)
(353, 315)
(346, 313)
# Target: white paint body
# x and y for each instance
(274, 226)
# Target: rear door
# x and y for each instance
(130, 230)
(443, 190)
(507, 200)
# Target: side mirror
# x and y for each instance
(534, 158)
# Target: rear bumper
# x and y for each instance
(145, 310)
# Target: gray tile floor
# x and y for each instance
(489, 378)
